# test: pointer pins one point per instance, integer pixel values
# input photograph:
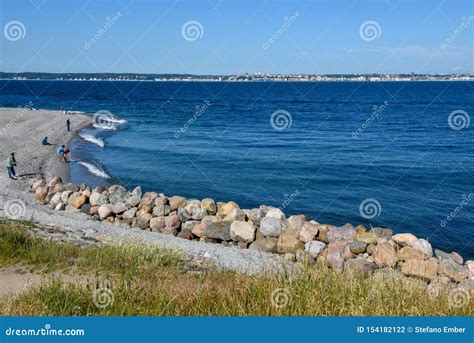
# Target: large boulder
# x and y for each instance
(344, 233)
(56, 199)
(65, 196)
(369, 237)
(161, 210)
(219, 230)
(385, 255)
(94, 198)
(198, 230)
(172, 221)
(148, 201)
(242, 231)
(404, 239)
(265, 244)
(105, 211)
(76, 200)
(308, 232)
(176, 202)
(470, 269)
(192, 210)
(359, 265)
(235, 214)
(118, 194)
(40, 195)
(209, 205)
(225, 208)
(134, 200)
(143, 220)
(335, 254)
(358, 247)
(408, 253)
(422, 245)
(323, 230)
(157, 223)
(314, 248)
(275, 213)
(54, 181)
(120, 208)
(295, 222)
(441, 255)
(288, 242)
(383, 232)
(255, 215)
(451, 269)
(425, 270)
(129, 214)
(272, 227)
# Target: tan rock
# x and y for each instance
(226, 208)
(265, 244)
(407, 253)
(157, 223)
(76, 200)
(451, 269)
(104, 211)
(288, 242)
(308, 232)
(209, 205)
(40, 195)
(385, 255)
(172, 221)
(335, 255)
(176, 202)
(470, 269)
(242, 231)
(425, 270)
(404, 239)
(366, 237)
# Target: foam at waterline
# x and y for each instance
(93, 169)
(93, 139)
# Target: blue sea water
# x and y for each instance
(331, 148)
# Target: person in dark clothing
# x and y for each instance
(45, 141)
(11, 164)
(68, 124)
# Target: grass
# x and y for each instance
(139, 280)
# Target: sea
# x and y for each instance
(396, 155)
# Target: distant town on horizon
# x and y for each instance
(369, 77)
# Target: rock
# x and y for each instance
(76, 200)
(157, 223)
(335, 255)
(104, 211)
(176, 202)
(217, 230)
(103, 198)
(226, 208)
(133, 200)
(451, 269)
(242, 245)
(148, 200)
(425, 270)
(161, 210)
(54, 181)
(370, 249)
(438, 285)
(167, 230)
(65, 196)
(358, 247)
(94, 198)
(118, 194)
(235, 214)
(172, 221)
(288, 242)
(295, 222)
(344, 233)
(143, 220)
(323, 230)
(36, 183)
(423, 246)
(185, 234)
(404, 239)
(189, 225)
(308, 232)
(60, 207)
(56, 199)
(408, 253)
(192, 210)
(209, 205)
(242, 231)
(385, 255)
(130, 213)
(255, 215)
(120, 208)
(272, 227)
(86, 209)
(137, 192)
(383, 233)
(40, 195)
(145, 208)
(359, 265)
(72, 209)
(441, 255)
(369, 237)
(198, 230)
(93, 210)
(275, 213)
(314, 248)
(470, 269)
(265, 244)
(360, 229)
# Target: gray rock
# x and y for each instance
(275, 213)
(358, 247)
(359, 264)
(209, 205)
(217, 230)
(314, 248)
(272, 227)
(344, 233)
(118, 194)
(242, 231)
(134, 200)
(137, 192)
(161, 210)
(422, 245)
(295, 222)
(265, 244)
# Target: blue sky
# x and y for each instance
(318, 37)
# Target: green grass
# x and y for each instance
(152, 281)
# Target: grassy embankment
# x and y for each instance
(151, 281)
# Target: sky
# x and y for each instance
(236, 37)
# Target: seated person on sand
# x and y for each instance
(45, 141)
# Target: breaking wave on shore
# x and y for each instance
(89, 137)
(94, 169)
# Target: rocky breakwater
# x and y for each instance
(346, 249)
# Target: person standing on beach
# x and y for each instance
(68, 125)
(67, 153)
(11, 164)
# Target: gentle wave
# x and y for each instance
(104, 127)
(93, 139)
(114, 120)
(75, 112)
(95, 169)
